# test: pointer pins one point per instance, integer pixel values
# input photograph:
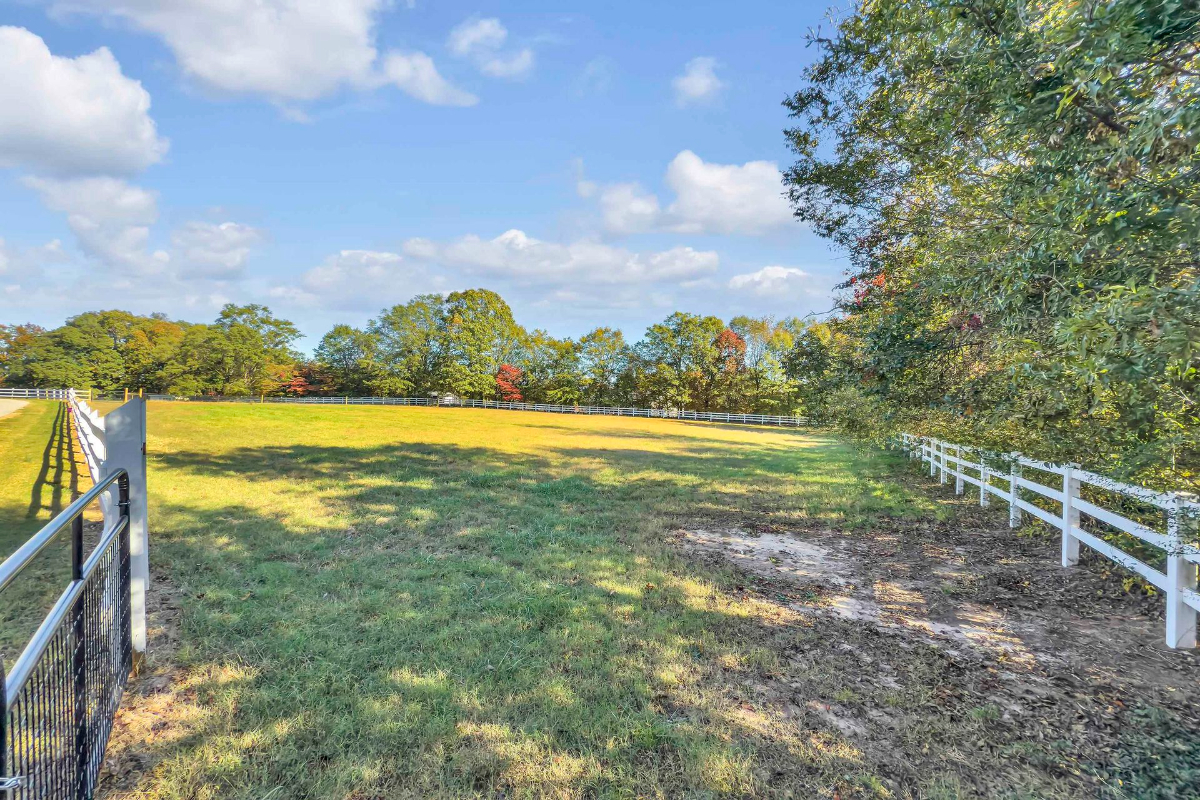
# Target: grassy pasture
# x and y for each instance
(39, 476)
(434, 602)
(355, 602)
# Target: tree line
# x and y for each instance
(465, 343)
(1017, 186)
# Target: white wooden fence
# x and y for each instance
(41, 394)
(778, 420)
(111, 443)
(1081, 520)
(786, 421)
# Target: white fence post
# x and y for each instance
(958, 469)
(1070, 518)
(984, 480)
(1181, 577)
(1177, 580)
(1014, 491)
(126, 440)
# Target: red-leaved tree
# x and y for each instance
(508, 379)
(732, 349)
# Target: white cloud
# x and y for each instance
(359, 279)
(480, 40)
(518, 65)
(779, 283)
(214, 250)
(286, 50)
(698, 83)
(516, 256)
(709, 198)
(725, 198)
(628, 208)
(416, 75)
(476, 35)
(101, 198)
(24, 267)
(110, 219)
(71, 116)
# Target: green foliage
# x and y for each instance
(480, 334)
(350, 358)
(1017, 186)
(431, 345)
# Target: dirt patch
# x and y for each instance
(961, 660)
(8, 406)
(154, 699)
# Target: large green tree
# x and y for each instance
(411, 346)
(479, 335)
(348, 358)
(551, 369)
(257, 355)
(604, 359)
(1017, 186)
(680, 361)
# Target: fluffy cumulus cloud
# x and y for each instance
(112, 221)
(709, 199)
(482, 41)
(71, 116)
(110, 218)
(698, 83)
(725, 198)
(628, 208)
(515, 256)
(779, 283)
(214, 250)
(359, 279)
(287, 50)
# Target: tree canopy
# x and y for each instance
(1017, 187)
(466, 343)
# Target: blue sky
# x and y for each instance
(599, 166)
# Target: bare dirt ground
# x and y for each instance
(962, 661)
(8, 406)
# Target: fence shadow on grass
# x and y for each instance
(53, 484)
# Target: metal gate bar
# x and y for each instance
(58, 702)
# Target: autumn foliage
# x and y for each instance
(508, 379)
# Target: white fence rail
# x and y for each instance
(112, 443)
(793, 421)
(777, 420)
(41, 394)
(89, 429)
(1081, 520)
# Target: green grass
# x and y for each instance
(38, 478)
(444, 603)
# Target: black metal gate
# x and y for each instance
(58, 701)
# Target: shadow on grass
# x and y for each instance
(55, 485)
(56, 459)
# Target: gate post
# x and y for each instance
(125, 430)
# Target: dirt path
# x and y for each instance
(8, 406)
(962, 661)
